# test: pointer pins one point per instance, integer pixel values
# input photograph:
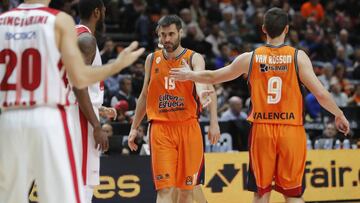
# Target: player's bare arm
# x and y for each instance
(309, 79)
(238, 67)
(214, 129)
(87, 45)
(80, 75)
(140, 106)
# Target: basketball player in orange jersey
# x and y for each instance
(35, 140)
(277, 138)
(172, 109)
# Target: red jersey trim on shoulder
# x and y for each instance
(82, 29)
(46, 9)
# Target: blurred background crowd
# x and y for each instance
(328, 31)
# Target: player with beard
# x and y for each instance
(87, 102)
(173, 110)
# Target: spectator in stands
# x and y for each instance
(142, 27)
(186, 16)
(253, 8)
(293, 39)
(313, 8)
(313, 107)
(244, 29)
(213, 11)
(6, 5)
(122, 107)
(326, 74)
(234, 112)
(340, 97)
(343, 42)
(225, 56)
(107, 52)
(228, 26)
(124, 93)
(215, 38)
(137, 74)
(339, 75)
(356, 66)
(341, 58)
(328, 138)
(195, 44)
(355, 99)
(107, 129)
(196, 11)
(309, 44)
(111, 86)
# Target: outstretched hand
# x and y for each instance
(183, 73)
(205, 98)
(129, 55)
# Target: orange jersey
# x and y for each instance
(276, 96)
(168, 100)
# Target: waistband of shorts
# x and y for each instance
(186, 122)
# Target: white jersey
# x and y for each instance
(96, 91)
(30, 73)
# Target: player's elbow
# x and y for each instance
(80, 82)
(321, 96)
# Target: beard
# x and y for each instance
(170, 47)
(100, 26)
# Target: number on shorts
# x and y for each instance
(274, 90)
(30, 69)
(169, 83)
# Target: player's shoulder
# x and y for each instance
(64, 19)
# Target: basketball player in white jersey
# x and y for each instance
(85, 103)
(35, 141)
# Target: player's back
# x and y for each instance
(96, 90)
(275, 87)
(32, 73)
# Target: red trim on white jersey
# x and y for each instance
(70, 153)
(82, 29)
(84, 138)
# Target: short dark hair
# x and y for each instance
(86, 7)
(275, 21)
(169, 20)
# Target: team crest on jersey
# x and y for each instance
(158, 59)
(189, 180)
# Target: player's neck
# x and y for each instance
(175, 53)
(88, 24)
(276, 41)
(45, 2)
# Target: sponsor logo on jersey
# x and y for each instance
(265, 68)
(274, 115)
(168, 102)
(20, 35)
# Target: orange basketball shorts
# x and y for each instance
(277, 153)
(177, 154)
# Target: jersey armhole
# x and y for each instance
(297, 67)
(190, 60)
(250, 66)
(151, 65)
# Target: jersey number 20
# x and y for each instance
(274, 90)
(30, 69)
